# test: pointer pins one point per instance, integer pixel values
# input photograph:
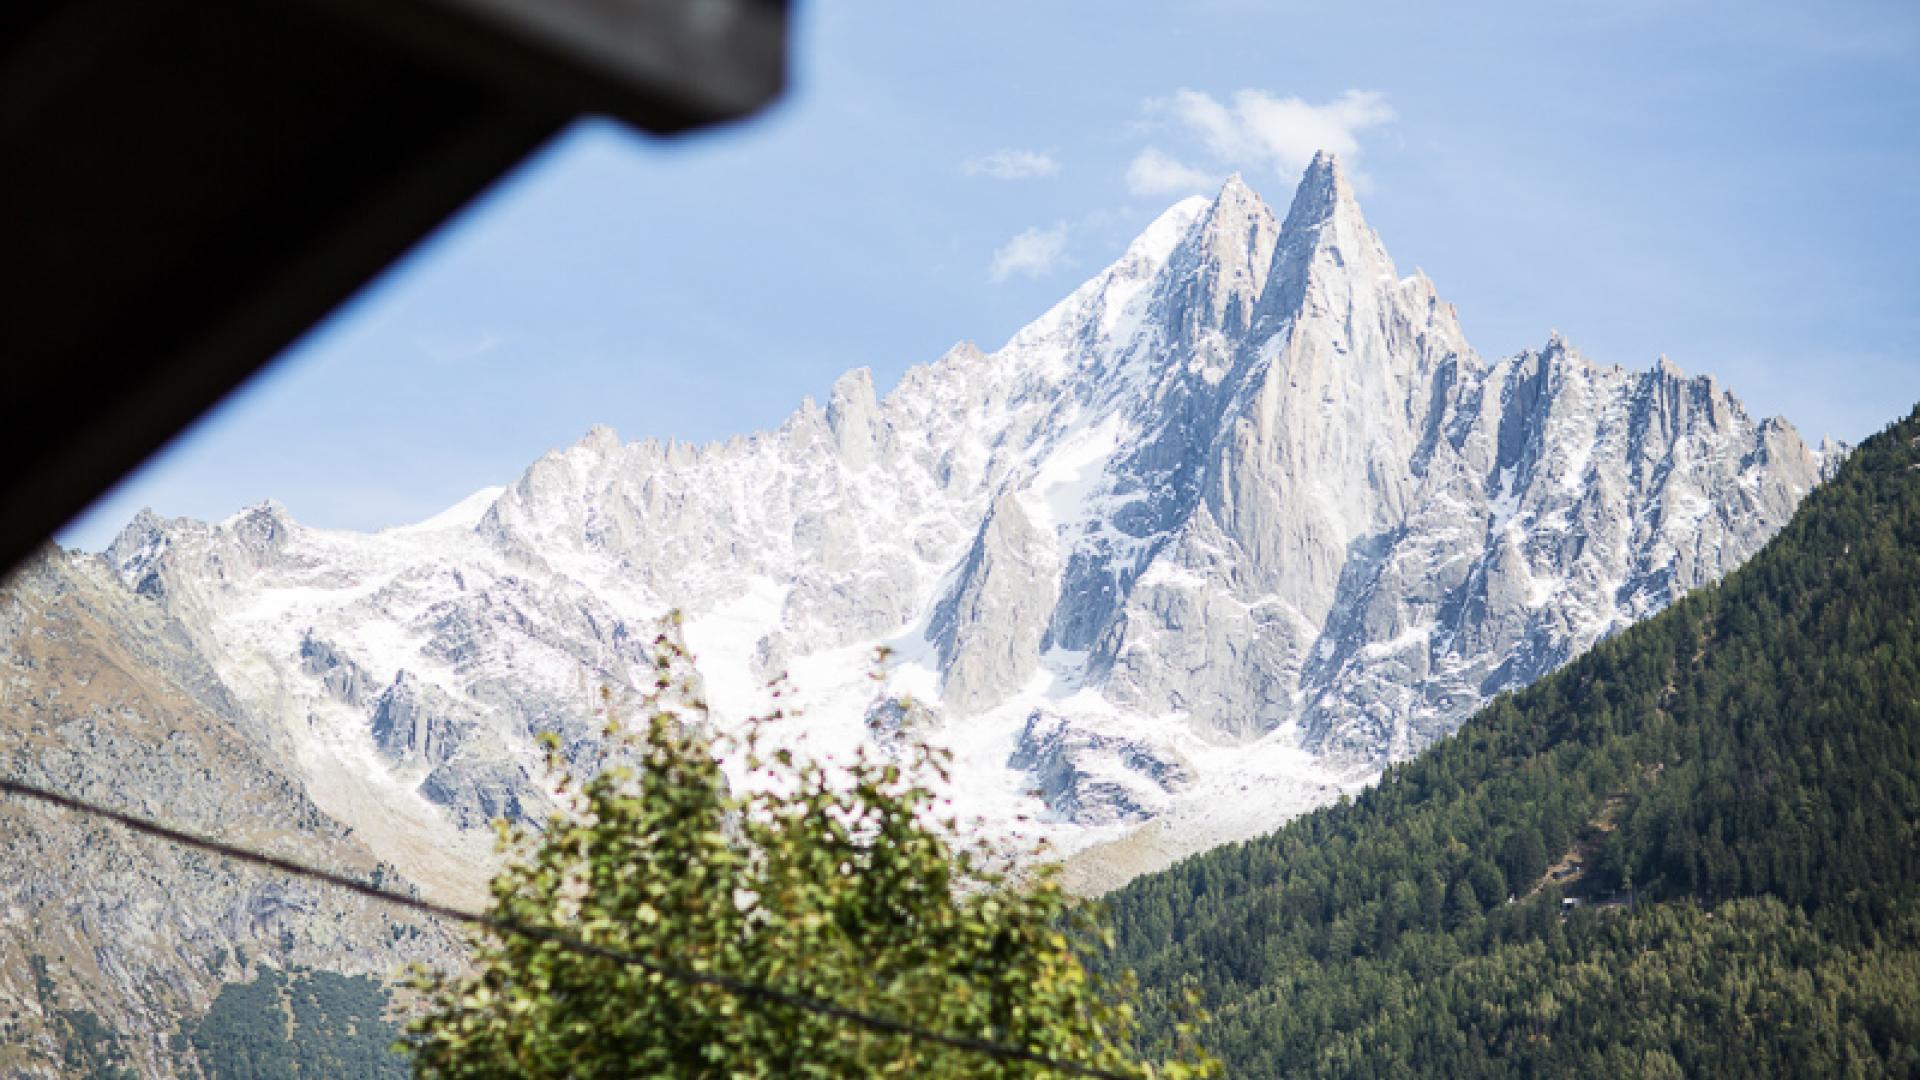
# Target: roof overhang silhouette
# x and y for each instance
(188, 185)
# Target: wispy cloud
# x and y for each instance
(1032, 253)
(1256, 131)
(1156, 172)
(444, 348)
(1012, 165)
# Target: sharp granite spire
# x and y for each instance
(1322, 195)
(1325, 246)
(1217, 273)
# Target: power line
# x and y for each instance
(737, 987)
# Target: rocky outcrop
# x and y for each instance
(416, 721)
(1093, 776)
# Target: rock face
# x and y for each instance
(1233, 525)
(989, 629)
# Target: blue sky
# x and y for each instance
(1730, 184)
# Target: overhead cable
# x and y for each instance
(569, 942)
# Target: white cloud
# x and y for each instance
(1012, 165)
(1155, 172)
(1033, 253)
(448, 349)
(1260, 132)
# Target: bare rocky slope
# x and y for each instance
(105, 697)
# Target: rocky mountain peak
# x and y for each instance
(1327, 260)
(601, 439)
(1215, 276)
(138, 544)
(1322, 196)
(1235, 203)
(851, 415)
(262, 529)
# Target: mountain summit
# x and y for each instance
(1239, 521)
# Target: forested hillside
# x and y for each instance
(1729, 794)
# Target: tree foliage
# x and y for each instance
(836, 883)
(1739, 778)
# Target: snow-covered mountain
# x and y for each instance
(1236, 523)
